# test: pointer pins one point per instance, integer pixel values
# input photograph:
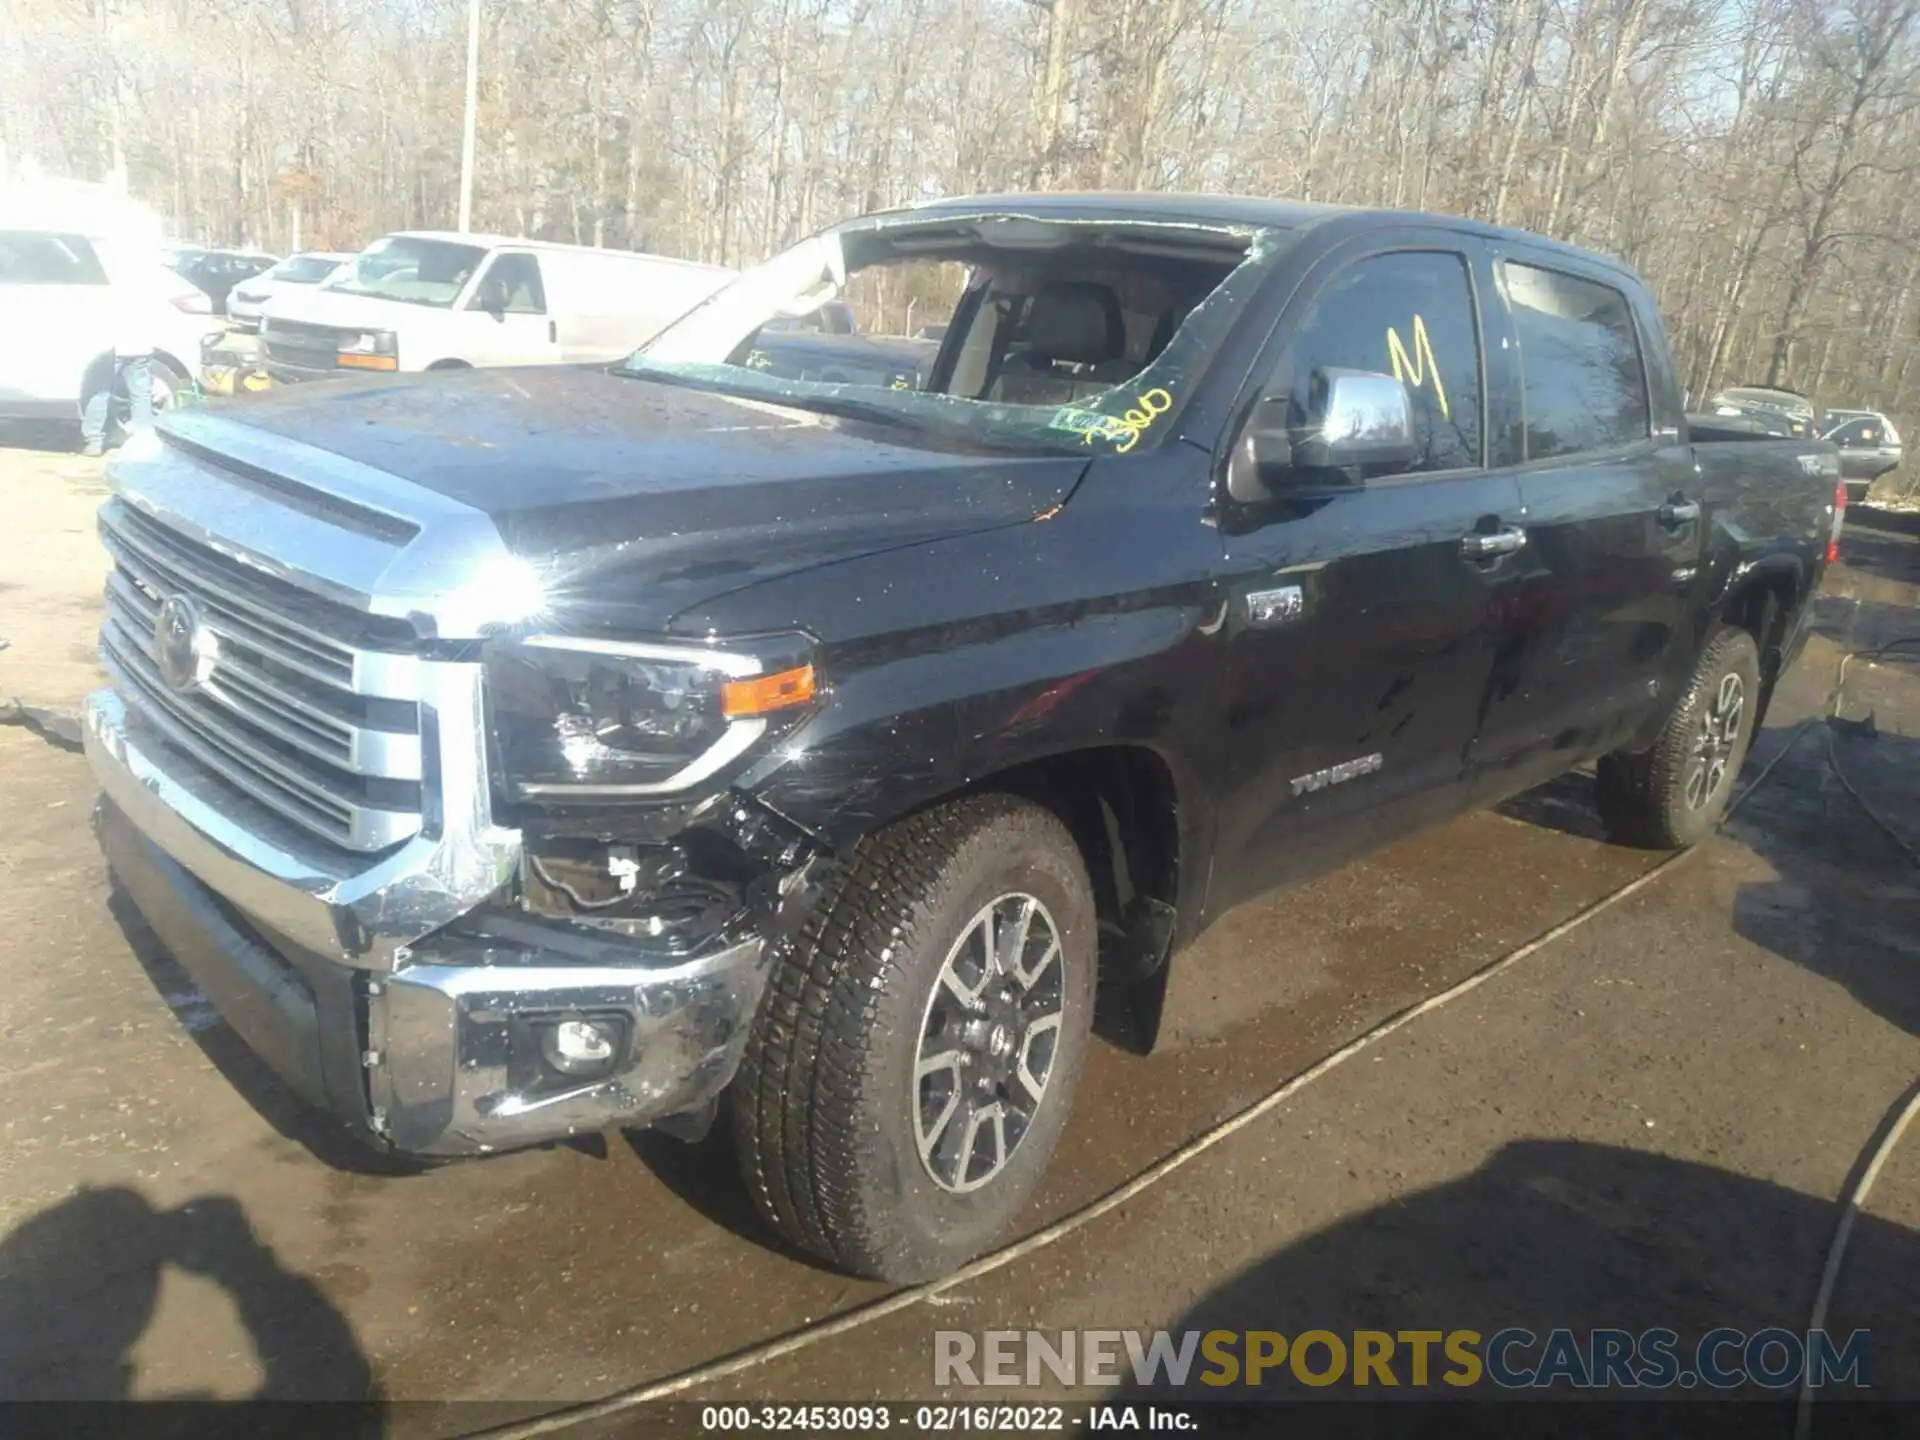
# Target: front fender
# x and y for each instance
(901, 732)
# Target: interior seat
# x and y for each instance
(1076, 347)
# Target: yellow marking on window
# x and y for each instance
(1414, 370)
(1125, 430)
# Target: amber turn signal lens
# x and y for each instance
(366, 362)
(762, 693)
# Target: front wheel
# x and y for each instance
(912, 1066)
(1673, 794)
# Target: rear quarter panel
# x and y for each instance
(1768, 505)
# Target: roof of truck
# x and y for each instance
(1218, 210)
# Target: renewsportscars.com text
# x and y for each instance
(1513, 1358)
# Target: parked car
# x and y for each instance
(217, 272)
(1869, 448)
(1782, 412)
(247, 299)
(525, 752)
(73, 283)
(430, 301)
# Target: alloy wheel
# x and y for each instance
(1716, 741)
(987, 1042)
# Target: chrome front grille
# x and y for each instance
(306, 707)
(294, 342)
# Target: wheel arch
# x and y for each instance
(1129, 813)
(1763, 601)
(98, 371)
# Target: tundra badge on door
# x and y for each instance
(1334, 774)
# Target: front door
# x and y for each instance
(1360, 612)
(1615, 524)
(511, 326)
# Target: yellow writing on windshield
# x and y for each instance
(1125, 430)
(1414, 370)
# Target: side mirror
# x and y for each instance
(1355, 419)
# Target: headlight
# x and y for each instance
(585, 719)
(368, 342)
(370, 350)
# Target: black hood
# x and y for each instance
(643, 498)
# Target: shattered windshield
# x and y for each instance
(1001, 328)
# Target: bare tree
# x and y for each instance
(1756, 159)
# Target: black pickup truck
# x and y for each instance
(511, 754)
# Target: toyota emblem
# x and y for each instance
(183, 647)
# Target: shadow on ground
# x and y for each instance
(1874, 517)
(79, 1283)
(1559, 1234)
(1846, 900)
(51, 436)
(1885, 554)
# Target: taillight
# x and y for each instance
(194, 302)
(1839, 518)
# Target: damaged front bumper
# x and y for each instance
(435, 1044)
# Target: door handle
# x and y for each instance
(1481, 544)
(553, 331)
(1679, 512)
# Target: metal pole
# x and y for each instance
(473, 95)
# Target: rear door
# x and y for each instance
(1359, 614)
(1613, 516)
(508, 322)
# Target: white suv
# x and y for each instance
(68, 299)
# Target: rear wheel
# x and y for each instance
(911, 1068)
(1673, 794)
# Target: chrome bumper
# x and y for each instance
(315, 897)
(451, 1064)
(456, 1070)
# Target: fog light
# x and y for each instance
(580, 1047)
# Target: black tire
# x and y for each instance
(175, 384)
(160, 373)
(827, 1108)
(1672, 795)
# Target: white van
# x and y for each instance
(81, 274)
(427, 300)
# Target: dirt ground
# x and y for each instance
(1647, 1121)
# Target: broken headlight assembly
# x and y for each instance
(581, 719)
